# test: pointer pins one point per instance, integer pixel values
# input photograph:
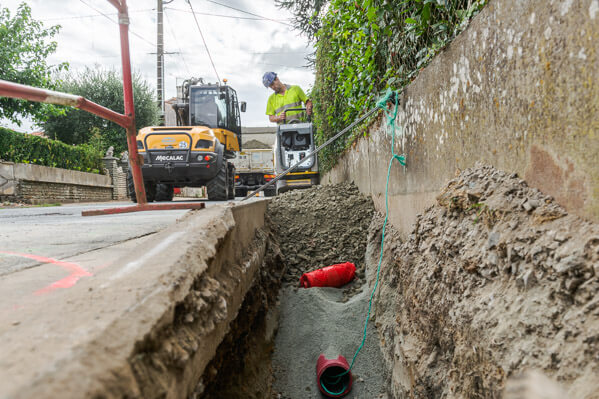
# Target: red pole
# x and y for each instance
(134, 159)
(15, 90)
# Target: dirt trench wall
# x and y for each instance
(495, 279)
(518, 89)
(172, 360)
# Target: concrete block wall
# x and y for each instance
(518, 89)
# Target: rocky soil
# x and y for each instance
(496, 278)
(322, 226)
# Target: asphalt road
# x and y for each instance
(31, 235)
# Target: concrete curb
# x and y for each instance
(128, 330)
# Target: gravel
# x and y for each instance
(322, 226)
(495, 278)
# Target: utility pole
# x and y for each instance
(160, 59)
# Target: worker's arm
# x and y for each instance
(270, 111)
(303, 98)
(277, 118)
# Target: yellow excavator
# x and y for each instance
(196, 152)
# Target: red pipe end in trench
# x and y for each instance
(332, 376)
(331, 276)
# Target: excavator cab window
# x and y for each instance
(215, 107)
(234, 119)
(207, 108)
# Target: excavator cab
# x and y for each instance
(198, 150)
(214, 106)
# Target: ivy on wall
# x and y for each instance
(25, 148)
(366, 46)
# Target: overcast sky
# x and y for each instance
(243, 46)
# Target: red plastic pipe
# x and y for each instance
(331, 276)
(144, 207)
(332, 376)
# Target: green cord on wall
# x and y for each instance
(382, 103)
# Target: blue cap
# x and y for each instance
(268, 78)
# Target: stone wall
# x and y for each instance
(36, 192)
(40, 184)
(118, 174)
(518, 89)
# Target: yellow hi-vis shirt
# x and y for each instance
(293, 98)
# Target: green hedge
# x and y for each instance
(25, 148)
(367, 46)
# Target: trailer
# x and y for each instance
(254, 168)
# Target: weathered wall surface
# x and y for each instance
(42, 184)
(519, 89)
(36, 192)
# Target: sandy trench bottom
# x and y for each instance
(316, 321)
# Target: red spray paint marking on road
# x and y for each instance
(76, 272)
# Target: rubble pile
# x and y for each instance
(255, 144)
(496, 278)
(321, 226)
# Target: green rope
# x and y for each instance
(400, 158)
(330, 382)
(382, 103)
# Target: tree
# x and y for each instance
(307, 15)
(104, 87)
(24, 47)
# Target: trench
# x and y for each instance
(495, 279)
(273, 345)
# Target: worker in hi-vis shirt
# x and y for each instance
(284, 97)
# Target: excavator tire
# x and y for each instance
(131, 186)
(150, 188)
(231, 181)
(164, 192)
(150, 191)
(218, 188)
